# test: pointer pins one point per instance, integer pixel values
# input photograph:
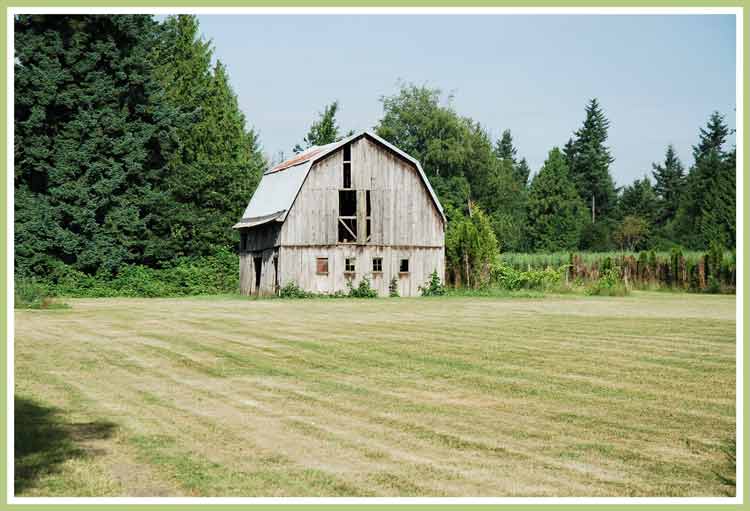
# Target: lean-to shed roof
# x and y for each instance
(280, 185)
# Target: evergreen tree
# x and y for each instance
(93, 138)
(639, 200)
(218, 163)
(589, 158)
(522, 172)
(504, 149)
(712, 137)
(323, 131)
(505, 201)
(707, 210)
(556, 213)
(670, 179)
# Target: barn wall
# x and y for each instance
(402, 210)
(267, 272)
(260, 241)
(298, 264)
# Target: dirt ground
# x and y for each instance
(222, 396)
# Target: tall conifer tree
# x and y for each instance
(589, 159)
(93, 137)
(670, 180)
(556, 214)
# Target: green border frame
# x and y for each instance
(5, 279)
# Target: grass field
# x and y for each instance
(553, 396)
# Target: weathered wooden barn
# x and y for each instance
(337, 213)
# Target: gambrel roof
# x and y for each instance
(280, 185)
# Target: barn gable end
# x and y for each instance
(354, 209)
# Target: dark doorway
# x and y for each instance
(257, 262)
(276, 274)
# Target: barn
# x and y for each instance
(334, 214)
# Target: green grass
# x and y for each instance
(446, 396)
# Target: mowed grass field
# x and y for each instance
(555, 396)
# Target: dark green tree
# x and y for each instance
(589, 159)
(712, 137)
(219, 163)
(504, 148)
(639, 199)
(505, 201)
(444, 143)
(93, 137)
(323, 131)
(522, 172)
(669, 182)
(708, 207)
(556, 213)
(506, 151)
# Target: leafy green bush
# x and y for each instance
(31, 294)
(393, 288)
(512, 279)
(363, 290)
(609, 283)
(215, 274)
(292, 290)
(433, 287)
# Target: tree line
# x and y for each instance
(130, 148)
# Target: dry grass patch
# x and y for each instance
(448, 396)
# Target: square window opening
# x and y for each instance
(321, 264)
(351, 265)
(377, 264)
(347, 203)
(347, 230)
(404, 266)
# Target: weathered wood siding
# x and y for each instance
(298, 264)
(402, 211)
(405, 224)
(267, 272)
(261, 241)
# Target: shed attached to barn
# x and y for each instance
(337, 213)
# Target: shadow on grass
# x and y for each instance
(43, 441)
(728, 476)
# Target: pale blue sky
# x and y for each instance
(657, 77)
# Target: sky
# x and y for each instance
(658, 78)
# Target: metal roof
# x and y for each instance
(280, 185)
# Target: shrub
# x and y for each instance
(363, 290)
(393, 288)
(31, 294)
(512, 279)
(292, 290)
(609, 283)
(433, 287)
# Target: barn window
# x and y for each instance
(321, 266)
(377, 264)
(351, 265)
(347, 166)
(347, 216)
(404, 266)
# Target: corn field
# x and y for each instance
(713, 271)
